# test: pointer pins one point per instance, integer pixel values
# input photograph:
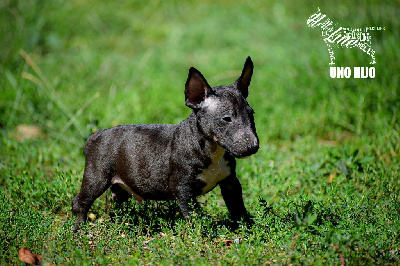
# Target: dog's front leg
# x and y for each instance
(231, 191)
(186, 199)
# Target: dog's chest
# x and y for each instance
(216, 171)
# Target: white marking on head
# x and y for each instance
(211, 103)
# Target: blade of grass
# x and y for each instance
(43, 83)
(14, 84)
(75, 116)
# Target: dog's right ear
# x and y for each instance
(196, 89)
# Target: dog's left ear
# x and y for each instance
(243, 82)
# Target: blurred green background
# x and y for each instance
(69, 68)
(136, 56)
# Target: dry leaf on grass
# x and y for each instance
(25, 255)
(23, 132)
(332, 176)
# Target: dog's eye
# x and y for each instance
(227, 118)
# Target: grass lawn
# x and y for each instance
(324, 187)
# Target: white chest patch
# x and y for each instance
(216, 171)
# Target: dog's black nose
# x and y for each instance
(253, 147)
(252, 143)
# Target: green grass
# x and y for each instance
(323, 188)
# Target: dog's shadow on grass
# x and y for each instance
(154, 217)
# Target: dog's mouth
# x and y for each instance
(243, 154)
(250, 149)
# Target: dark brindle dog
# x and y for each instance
(183, 161)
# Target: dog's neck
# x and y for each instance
(205, 143)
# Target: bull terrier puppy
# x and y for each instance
(176, 162)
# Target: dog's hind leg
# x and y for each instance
(119, 195)
(94, 184)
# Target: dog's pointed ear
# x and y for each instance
(196, 89)
(243, 82)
